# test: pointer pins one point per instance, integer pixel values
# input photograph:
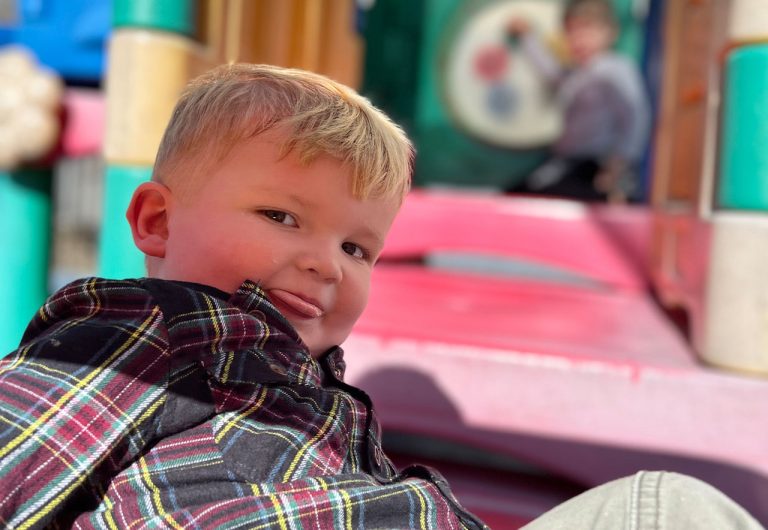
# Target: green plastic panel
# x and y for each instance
(177, 16)
(630, 40)
(446, 154)
(393, 33)
(743, 178)
(25, 225)
(118, 256)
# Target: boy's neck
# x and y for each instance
(593, 57)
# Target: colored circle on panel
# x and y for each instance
(492, 89)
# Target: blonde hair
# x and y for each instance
(316, 115)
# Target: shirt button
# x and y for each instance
(338, 372)
(278, 369)
(377, 455)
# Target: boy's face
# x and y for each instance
(296, 230)
(587, 37)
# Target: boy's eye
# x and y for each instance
(280, 217)
(354, 250)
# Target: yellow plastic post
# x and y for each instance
(147, 71)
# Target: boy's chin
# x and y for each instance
(319, 341)
(582, 58)
(318, 348)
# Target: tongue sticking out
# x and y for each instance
(295, 303)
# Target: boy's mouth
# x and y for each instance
(295, 304)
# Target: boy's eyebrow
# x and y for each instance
(374, 235)
(296, 198)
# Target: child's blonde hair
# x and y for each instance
(316, 115)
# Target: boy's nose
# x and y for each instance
(322, 262)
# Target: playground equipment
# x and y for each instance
(708, 166)
(30, 104)
(584, 376)
(70, 121)
(598, 382)
(494, 120)
(710, 176)
(545, 348)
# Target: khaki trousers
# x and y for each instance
(648, 500)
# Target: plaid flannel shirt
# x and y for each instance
(148, 403)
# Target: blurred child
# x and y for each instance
(606, 114)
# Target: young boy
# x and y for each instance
(606, 115)
(211, 394)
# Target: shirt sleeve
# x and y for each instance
(541, 58)
(627, 99)
(78, 401)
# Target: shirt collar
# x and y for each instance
(248, 323)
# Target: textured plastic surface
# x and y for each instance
(736, 335)
(743, 179)
(590, 381)
(563, 235)
(118, 256)
(177, 16)
(25, 218)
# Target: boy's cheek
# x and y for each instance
(365, 293)
(356, 307)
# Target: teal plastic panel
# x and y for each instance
(446, 154)
(177, 16)
(630, 39)
(25, 225)
(118, 256)
(743, 177)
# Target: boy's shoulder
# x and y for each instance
(94, 307)
(90, 323)
(93, 317)
(91, 296)
(613, 63)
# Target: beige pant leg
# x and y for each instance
(649, 500)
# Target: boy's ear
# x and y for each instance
(148, 216)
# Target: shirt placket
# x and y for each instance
(372, 457)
